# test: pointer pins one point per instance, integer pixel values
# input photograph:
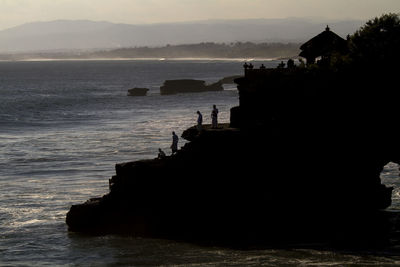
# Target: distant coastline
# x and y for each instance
(238, 51)
(140, 59)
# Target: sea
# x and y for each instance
(63, 127)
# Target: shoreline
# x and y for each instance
(143, 59)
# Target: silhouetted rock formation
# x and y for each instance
(137, 91)
(188, 86)
(301, 168)
(300, 160)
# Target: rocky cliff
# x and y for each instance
(300, 160)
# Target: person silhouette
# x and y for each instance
(199, 121)
(161, 154)
(174, 145)
(214, 117)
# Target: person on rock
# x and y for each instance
(214, 117)
(199, 121)
(174, 146)
(161, 154)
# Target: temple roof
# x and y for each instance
(324, 43)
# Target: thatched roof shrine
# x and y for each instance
(323, 45)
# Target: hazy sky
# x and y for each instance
(15, 12)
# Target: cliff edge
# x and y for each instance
(287, 167)
(300, 160)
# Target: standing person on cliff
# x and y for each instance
(174, 146)
(214, 117)
(199, 121)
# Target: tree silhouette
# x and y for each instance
(377, 42)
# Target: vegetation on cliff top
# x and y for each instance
(377, 42)
(374, 47)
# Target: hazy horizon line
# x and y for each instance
(315, 19)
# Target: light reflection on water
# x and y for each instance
(390, 177)
(55, 169)
(46, 170)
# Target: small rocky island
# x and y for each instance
(188, 86)
(300, 160)
(137, 91)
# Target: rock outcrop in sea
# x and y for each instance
(300, 160)
(188, 86)
(137, 91)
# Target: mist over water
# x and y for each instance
(64, 125)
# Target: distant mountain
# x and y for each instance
(64, 35)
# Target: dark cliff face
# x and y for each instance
(334, 124)
(301, 159)
(350, 111)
